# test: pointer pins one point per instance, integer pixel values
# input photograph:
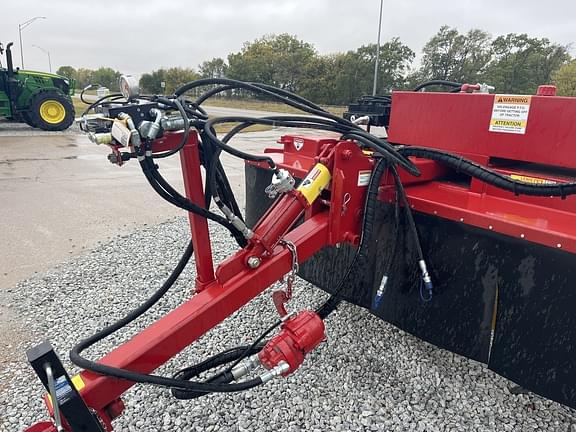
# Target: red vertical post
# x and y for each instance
(190, 160)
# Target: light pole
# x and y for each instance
(45, 51)
(22, 27)
(377, 51)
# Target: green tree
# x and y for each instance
(317, 80)
(565, 79)
(106, 77)
(83, 77)
(152, 82)
(67, 71)
(278, 60)
(394, 63)
(343, 77)
(172, 79)
(215, 68)
(521, 63)
(452, 56)
(176, 76)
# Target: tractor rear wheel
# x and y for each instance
(51, 111)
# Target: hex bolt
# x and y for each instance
(253, 262)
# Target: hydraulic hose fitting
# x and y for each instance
(363, 120)
(154, 128)
(235, 220)
(281, 369)
(300, 335)
(134, 135)
(282, 182)
(245, 366)
(173, 122)
(426, 279)
(379, 293)
(100, 138)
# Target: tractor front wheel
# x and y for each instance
(51, 111)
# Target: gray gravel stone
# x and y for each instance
(368, 375)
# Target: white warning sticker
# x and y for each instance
(510, 114)
(364, 177)
(298, 143)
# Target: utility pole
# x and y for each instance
(45, 51)
(377, 64)
(22, 27)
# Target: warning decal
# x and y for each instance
(364, 177)
(532, 180)
(510, 113)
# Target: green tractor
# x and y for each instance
(40, 99)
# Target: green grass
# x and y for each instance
(79, 106)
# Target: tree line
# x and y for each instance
(512, 63)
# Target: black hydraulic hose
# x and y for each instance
(88, 87)
(211, 363)
(307, 122)
(279, 91)
(375, 143)
(261, 90)
(408, 212)
(385, 148)
(112, 97)
(166, 191)
(489, 176)
(254, 344)
(224, 376)
(438, 82)
(210, 134)
(359, 259)
(77, 359)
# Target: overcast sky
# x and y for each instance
(139, 36)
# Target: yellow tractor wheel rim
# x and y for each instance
(52, 111)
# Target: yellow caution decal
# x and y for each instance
(315, 182)
(78, 382)
(532, 180)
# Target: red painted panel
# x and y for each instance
(459, 123)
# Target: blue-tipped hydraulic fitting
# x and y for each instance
(380, 293)
(426, 280)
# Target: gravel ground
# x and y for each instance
(368, 375)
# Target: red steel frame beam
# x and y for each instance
(190, 161)
(168, 336)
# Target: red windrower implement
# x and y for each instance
(458, 228)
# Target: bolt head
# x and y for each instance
(253, 262)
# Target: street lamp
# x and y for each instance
(45, 51)
(377, 51)
(22, 27)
